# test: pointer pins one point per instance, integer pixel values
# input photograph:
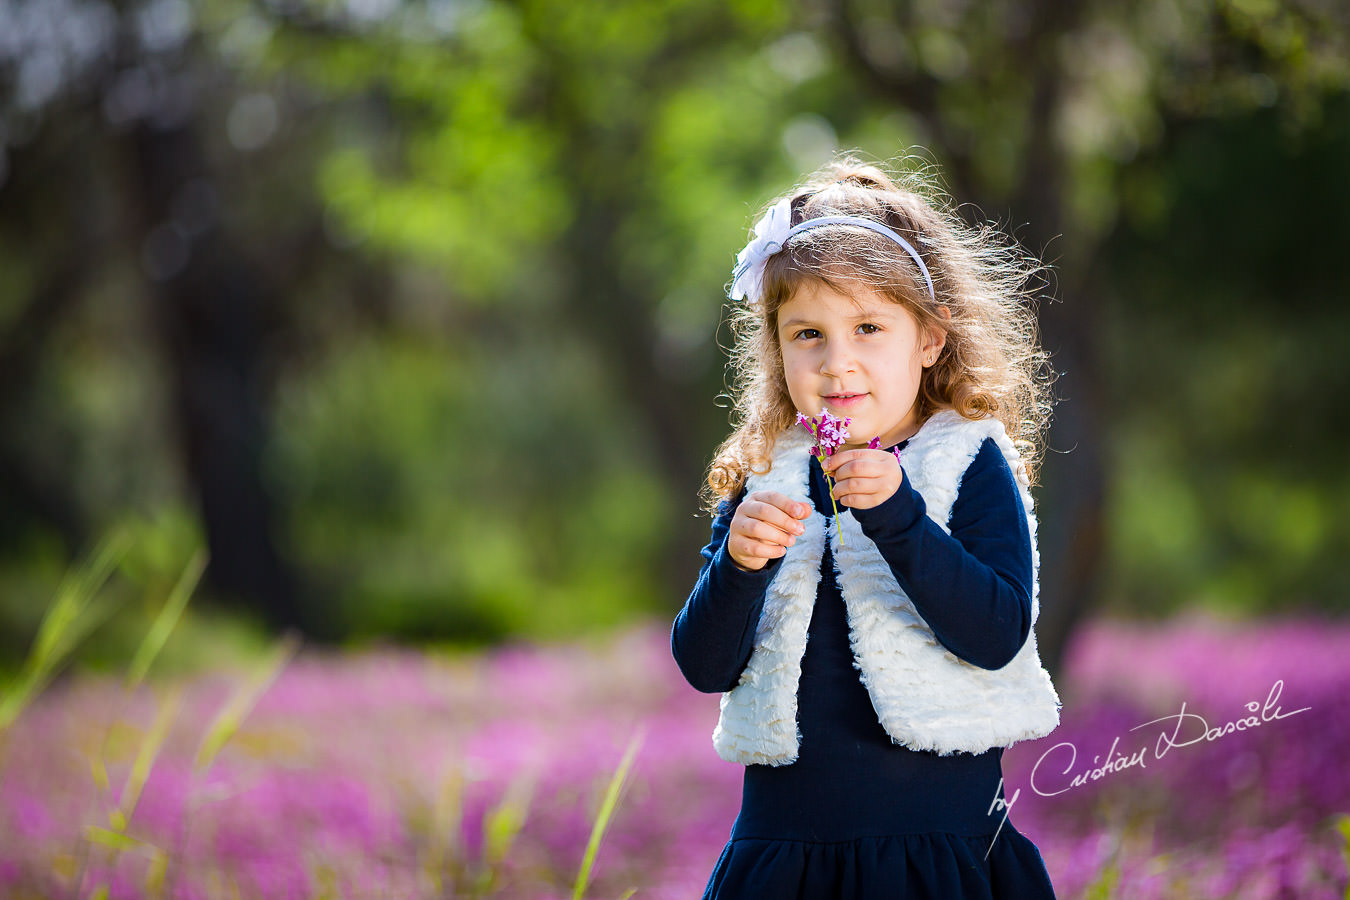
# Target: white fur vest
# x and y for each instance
(926, 697)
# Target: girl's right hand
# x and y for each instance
(765, 525)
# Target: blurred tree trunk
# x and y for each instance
(621, 321)
(1071, 536)
(31, 486)
(208, 306)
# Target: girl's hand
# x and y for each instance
(863, 478)
(765, 525)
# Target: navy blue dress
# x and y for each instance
(857, 815)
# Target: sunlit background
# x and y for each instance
(360, 362)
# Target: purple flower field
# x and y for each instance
(399, 774)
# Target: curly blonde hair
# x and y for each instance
(991, 364)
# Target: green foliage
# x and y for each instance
(1229, 477)
(510, 198)
(438, 510)
(470, 187)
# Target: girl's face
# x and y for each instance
(873, 350)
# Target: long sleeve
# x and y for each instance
(714, 634)
(972, 587)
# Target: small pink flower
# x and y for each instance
(875, 444)
(830, 433)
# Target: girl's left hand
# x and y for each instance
(863, 478)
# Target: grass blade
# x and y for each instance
(503, 824)
(116, 840)
(72, 597)
(166, 620)
(145, 757)
(67, 621)
(1343, 826)
(446, 819)
(606, 812)
(232, 715)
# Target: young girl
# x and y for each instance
(875, 663)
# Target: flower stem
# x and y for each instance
(830, 484)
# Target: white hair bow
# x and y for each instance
(770, 233)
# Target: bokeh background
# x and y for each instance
(400, 323)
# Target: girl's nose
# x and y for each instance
(837, 362)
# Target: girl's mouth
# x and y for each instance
(845, 401)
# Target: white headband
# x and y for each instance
(773, 231)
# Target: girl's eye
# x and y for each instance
(804, 331)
